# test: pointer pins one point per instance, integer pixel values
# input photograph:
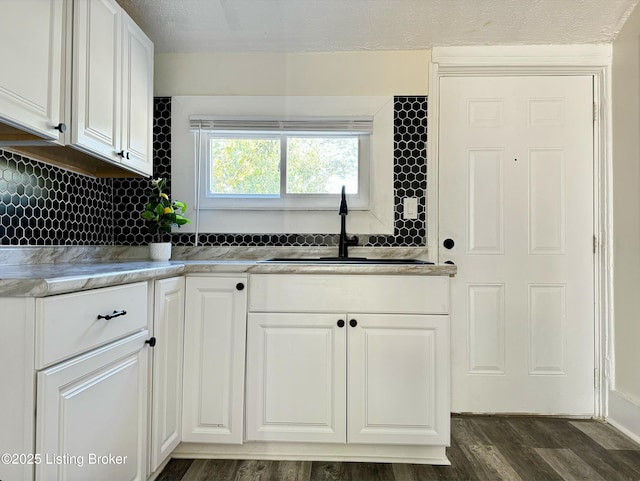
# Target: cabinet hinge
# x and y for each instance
(595, 244)
(596, 378)
(595, 111)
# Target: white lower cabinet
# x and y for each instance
(92, 415)
(214, 339)
(298, 365)
(398, 374)
(348, 359)
(296, 378)
(166, 386)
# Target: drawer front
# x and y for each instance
(68, 325)
(349, 293)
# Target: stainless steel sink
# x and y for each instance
(341, 260)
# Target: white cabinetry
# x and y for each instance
(92, 415)
(372, 350)
(32, 53)
(215, 327)
(168, 327)
(112, 85)
(296, 378)
(83, 65)
(80, 362)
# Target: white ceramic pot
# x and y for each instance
(160, 251)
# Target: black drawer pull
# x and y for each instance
(112, 315)
(353, 323)
(239, 286)
(340, 323)
(151, 342)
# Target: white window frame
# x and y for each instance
(378, 218)
(283, 200)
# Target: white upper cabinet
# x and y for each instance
(112, 85)
(32, 53)
(96, 76)
(82, 67)
(137, 98)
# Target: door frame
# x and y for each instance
(585, 60)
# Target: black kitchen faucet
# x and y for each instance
(345, 241)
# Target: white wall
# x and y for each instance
(624, 408)
(336, 73)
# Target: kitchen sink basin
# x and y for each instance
(342, 260)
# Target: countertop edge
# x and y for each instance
(43, 280)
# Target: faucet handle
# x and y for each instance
(353, 241)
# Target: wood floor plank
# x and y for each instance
(605, 435)
(174, 470)
(328, 471)
(483, 448)
(569, 465)
(530, 433)
(490, 463)
(254, 470)
(370, 472)
(514, 447)
(211, 469)
(293, 471)
(591, 453)
(424, 472)
(466, 433)
(461, 465)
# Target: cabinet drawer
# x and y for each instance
(349, 293)
(68, 324)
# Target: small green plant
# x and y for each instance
(161, 213)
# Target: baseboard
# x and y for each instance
(624, 414)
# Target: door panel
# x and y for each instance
(398, 373)
(516, 196)
(296, 377)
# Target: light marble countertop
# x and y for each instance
(40, 280)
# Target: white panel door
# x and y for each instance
(516, 199)
(93, 406)
(398, 379)
(168, 329)
(296, 377)
(31, 49)
(214, 337)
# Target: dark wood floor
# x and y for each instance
(483, 448)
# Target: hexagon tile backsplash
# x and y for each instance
(42, 205)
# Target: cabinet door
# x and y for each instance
(31, 49)
(168, 327)
(214, 339)
(296, 377)
(92, 415)
(399, 379)
(137, 98)
(97, 77)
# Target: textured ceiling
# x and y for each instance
(335, 25)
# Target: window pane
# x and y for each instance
(241, 166)
(322, 165)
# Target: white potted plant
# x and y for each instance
(161, 215)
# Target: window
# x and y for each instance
(251, 163)
(196, 120)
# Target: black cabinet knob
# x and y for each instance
(62, 127)
(353, 323)
(127, 155)
(448, 243)
(340, 323)
(449, 262)
(151, 342)
(121, 153)
(239, 286)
